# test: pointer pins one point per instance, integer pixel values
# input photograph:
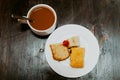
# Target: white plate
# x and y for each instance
(87, 40)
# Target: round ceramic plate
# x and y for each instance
(87, 40)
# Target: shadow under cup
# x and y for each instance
(43, 19)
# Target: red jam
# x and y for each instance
(66, 43)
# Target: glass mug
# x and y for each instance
(42, 19)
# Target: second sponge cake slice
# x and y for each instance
(74, 41)
(59, 51)
(77, 57)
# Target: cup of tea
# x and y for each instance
(42, 19)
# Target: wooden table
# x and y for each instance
(20, 57)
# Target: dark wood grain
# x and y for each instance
(20, 58)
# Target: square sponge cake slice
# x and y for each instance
(74, 41)
(59, 51)
(77, 57)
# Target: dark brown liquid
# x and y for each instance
(43, 18)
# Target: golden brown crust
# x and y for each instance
(59, 52)
(77, 57)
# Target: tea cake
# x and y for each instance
(77, 57)
(74, 41)
(59, 51)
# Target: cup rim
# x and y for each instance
(42, 5)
